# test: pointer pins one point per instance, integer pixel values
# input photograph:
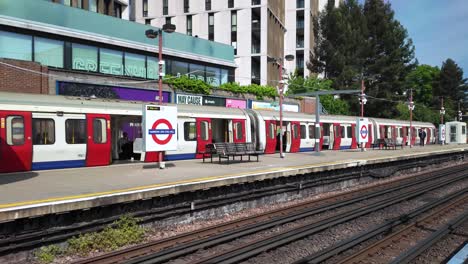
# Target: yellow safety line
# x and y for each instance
(81, 196)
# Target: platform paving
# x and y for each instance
(23, 194)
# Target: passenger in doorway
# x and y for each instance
(125, 146)
(422, 136)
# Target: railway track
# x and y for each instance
(184, 244)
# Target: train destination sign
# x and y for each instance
(159, 128)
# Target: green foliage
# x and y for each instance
(123, 232)
(420, 113)
(260, 91)
(335, 106)
(47, 254)
(424, 80)
(186, 84)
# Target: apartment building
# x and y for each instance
(115, 8)
(261, 31)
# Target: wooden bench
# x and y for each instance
(227, 150)
(210, 150)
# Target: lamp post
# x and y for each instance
(460, 114)
(150, 33)
(442, 111)
(411, 108)
(280, 62)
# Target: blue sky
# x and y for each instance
(439, 29)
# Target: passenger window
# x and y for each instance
(15, 130)
(272, 130)
(99, 131)
(311, 131)
(190, 131)
(303, 131)
(75, 131)
(296, 131)
(43, 131)
(204, 133)
(342, 131)
(238, 130)
(349, 132)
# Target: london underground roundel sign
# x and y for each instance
(160, 127)
(362, 130)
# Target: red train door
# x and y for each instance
(370, 134)
(98, 152)
(382, 132)
(204, 135)
(413, 136)
(428, 135)
(270, 132)
(321, 136)
(295, 136)
(337, 138)
(404, 135)
(238, 127)
(15, 141)
(353, 136)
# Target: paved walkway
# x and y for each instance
(23, 189)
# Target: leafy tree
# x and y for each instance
(424, 80)
(451, 83)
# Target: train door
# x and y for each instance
(353, 136)
(270, 146)
(295, 136)
(204, 135)
(370, 135)
(15, 141)
(238, 127)
(428, 135)
(337, 136)
(321, 140)
(413, 134)
(404, 135)
(98, 151)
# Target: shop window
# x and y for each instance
(238, 130)
(311, 131)
(110, 62)
(197, 72)
(303, 131)
(75, 131)
(190, 131)
(213, 76)
(15, 46)
(204, 130)
(152, 67)
(135, 65)
(84, 58)
(99, 131)
(48, 52)
(14, 130)
(43, 131)
(179, 68)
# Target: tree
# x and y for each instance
(424, 81)
(451, 81)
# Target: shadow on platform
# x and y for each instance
(16, 177)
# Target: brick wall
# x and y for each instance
(21, 81)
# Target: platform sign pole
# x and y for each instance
(159, 129)
(362, 132)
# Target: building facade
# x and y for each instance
(261, 31)
(116, 8)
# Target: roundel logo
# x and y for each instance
(158, 133)
(363, 132)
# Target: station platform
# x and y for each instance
(36, 193)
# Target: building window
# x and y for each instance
(168, 20)
(299, 3)
(66, 2)
(197, 72)
(186, 6)
(300, 21)
(48, 52)
(147, 21)
(75, 131)
(189, 25)
(117, 10)
(43, 131)
(230, 3)
(145, 8)
(110, 62)
(84, 58)
(15, 46)
(135, 65)
(14, 130)
(256, 2)
(99, 131)
(165, 7)
(299, 41)
(93, 5)
(211, 26)
(234, 31)
(213, 76)
(179, 68)
(207, 5)
(152, 67)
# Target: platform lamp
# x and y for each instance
(150, 33)
(281, 82)
(411, 108)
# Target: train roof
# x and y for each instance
(55, 103)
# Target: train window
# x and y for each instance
(311, 131)
(204, 133)
(342, 131)
(75, 131)
(463, 130)
(295, 131)
(190, 131)
(271, 129)
(15, 130)
(303, 131)
(43, 131)
(238, 130)
(326, 130)
(349, 132)
(99, 131)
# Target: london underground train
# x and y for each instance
(39, 132)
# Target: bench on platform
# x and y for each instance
(226, 150)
